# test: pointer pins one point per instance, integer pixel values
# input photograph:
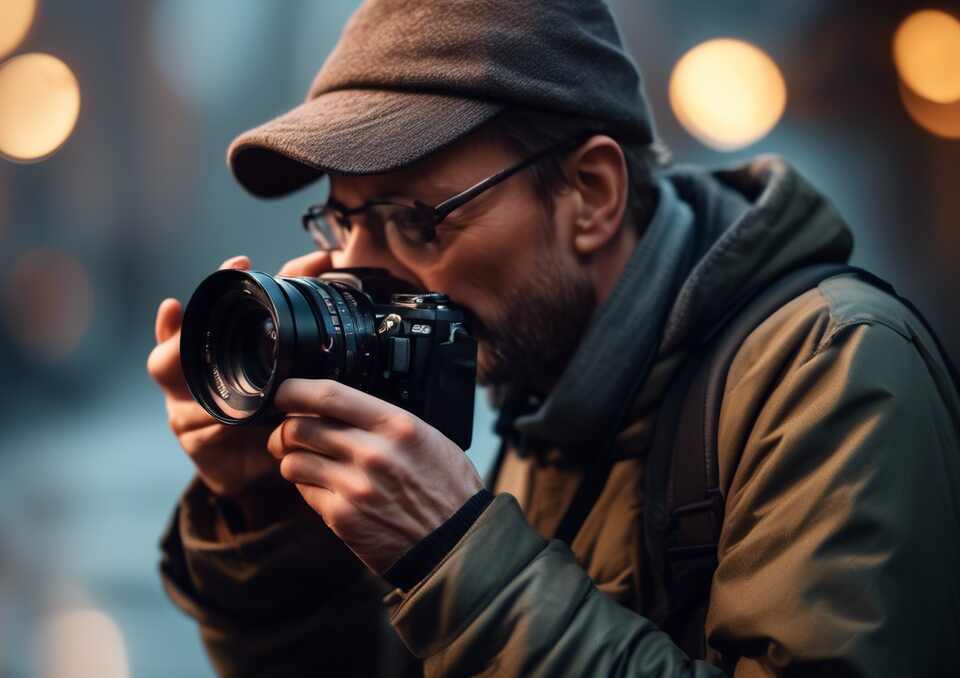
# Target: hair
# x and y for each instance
(527, 132)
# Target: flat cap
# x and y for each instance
(409, 77)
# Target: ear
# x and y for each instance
(598, 176)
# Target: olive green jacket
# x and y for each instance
(839, 452)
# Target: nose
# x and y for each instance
(364, 249)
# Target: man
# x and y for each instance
(592, 273)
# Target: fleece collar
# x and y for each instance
(713, 238)
(625, 330)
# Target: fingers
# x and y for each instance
(338, 259)
(327, 398)
(205, 439)
(184, 415)
(240, 262)
(305, 469)
(311, 469)
(169, 317)
(309, 265)
(163, 365)
(322, 436)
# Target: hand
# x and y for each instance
(381, 478)
(228, 458)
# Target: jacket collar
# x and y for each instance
(592, 391)
(713, 237)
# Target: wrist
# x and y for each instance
(426, 554)
(264, 502)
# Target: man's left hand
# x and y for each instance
(381, 478)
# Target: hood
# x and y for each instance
(715, 238)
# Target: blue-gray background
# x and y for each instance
(141, 198)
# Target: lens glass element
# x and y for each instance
(249, 352)
(245, 332)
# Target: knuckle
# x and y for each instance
(289, 430)
(175, 421)
(196, 443)
(153, 364)
(275, 448)
(403, 429)
(191, 445)
(295, 432)
(163, 363)
(183, 418)
(374, 461)
(364, 493)
(327, 389)
(290, 467)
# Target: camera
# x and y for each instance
(244, 332)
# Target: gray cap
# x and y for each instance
(409, 77)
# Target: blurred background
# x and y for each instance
(114, 120)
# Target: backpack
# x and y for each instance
(684, 504)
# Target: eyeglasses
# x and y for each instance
(416, 223)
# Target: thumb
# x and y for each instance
(241, 262)
(169, 316)
(309, 265)
(170, 313)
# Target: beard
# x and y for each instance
(535, 335)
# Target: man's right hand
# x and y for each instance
(228, 458)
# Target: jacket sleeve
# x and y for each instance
(506, 602)
(839, 550)
(838, 554)
(287, 600)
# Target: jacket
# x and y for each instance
(839, 454)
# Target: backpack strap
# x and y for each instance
(684, 510)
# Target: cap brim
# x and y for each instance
(350, 132)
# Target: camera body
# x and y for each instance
(244, 332)
(427, 360)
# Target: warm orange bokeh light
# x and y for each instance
(926, 49)
(39, 105)
(16, 16)
(727, 93)
(47, 303)
(943, 120)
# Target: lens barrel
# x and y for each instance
(245, 332)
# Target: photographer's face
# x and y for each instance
(515, 266)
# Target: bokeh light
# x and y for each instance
(83, 643)
(926, 49)
(16, 16)
(47, 303)
(727, 93)
(39, 105)
(198, 45)
(942, 120)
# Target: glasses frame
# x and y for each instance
(316, 214)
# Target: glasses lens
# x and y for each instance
(413, 224)
(328, 227)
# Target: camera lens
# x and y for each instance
(264, 350)
(251, 349)
(244, 332)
